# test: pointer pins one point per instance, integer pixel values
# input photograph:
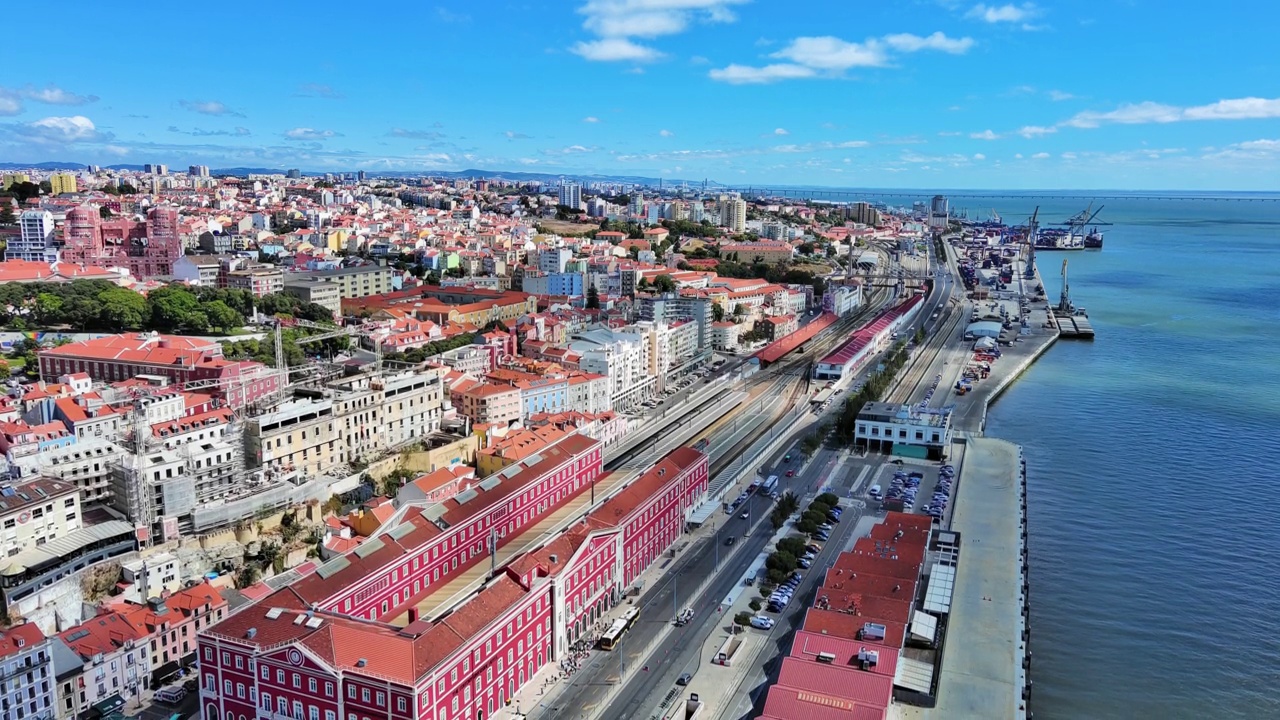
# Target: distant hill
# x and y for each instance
(516, 175)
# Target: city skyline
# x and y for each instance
(934, 94)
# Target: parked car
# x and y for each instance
(684, 679)
(762, 622)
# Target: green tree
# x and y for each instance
(105, 213)
(174, 307)
(717, 312)
(122, 309)
(316, 313)
(6, 212)
(829, 499)
(593, 298)
(48, 309)
(222, 316)
(664, 283)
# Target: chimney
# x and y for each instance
(413, 615)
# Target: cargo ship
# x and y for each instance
(1093, 240)
(1055, 239)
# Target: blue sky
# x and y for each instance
(924, 94)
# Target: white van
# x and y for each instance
(874, 492)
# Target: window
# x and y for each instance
(351, 691)
(266, 673)
(208, 654)
(381, 699)
(311, 684)
(364, 695)
(401, 705)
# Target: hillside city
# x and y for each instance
(298, 412)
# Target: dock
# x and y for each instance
(1073, 327)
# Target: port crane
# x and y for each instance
(1076, 224)
(1064, 302)
(1031, 244)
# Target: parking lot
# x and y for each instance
(924, 492)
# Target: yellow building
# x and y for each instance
(11, 178)
(62, 183)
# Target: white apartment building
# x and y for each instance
(733, 214)
(27, 683)
(571, 195)
(589, 393)
(86, 464)
(151, 577)
(36, 511)
(35, 241)
(625, 358)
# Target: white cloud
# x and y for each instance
(590, 119)
(979, 156)
(1033, 131)
(1018, 155)
(1250, 108)
(571, 150)
(1264, 145)
(1003, 13)
(949, 133)
(831, 56)
(306, 133)
(1059, 96)
(1068, 156)
(316, 90)
(209, 107)
(906, 42)
(746, 75)
(1040, 156)
(780, 131)
(665, 133)
(52, 95)
(416, 134)
(614, 50)
(9, 105)
(117, 150)
(513, 135)
(832, 53)
(76, 128)
(984, 135)
(613, 21)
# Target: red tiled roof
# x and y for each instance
(837, 624)
(102, 634)
(846, 684)
(774, 351)
(786, 703)
(18, 638)
(807, 645)
(865, 334)
(616, 509)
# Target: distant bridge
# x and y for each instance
(835, 194)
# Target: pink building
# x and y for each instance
(287, 657)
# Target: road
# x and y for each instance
(680, 650)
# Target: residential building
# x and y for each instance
(36, 511)
(85, 464)
(764, 251)
(62, 182)
(173, 624)
(35, 240)
(733, 214)
(571, 195)
(326, 294)
(115, 663)
(553, 260)
(262, 280)
(491, 404)
(841, 299)
(624, 358)
(724, 336)
(779, 326)
(555, 284)
(939, 213)
(198, 171)
(154, 576)
(353, 282)
(202, 270)
(27, 682)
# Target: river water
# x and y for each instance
(1154, 463)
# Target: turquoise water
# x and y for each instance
(1154, 464)
(1152, 456)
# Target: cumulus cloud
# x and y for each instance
(571, 150)
(1059, 96)
(1003, 13)
(1040, 156)
(613, 50)
(513, 135)
(984, 135)
(828, 56)
(61, 130)
(306, 133)
(665, 133)
(780, 131)
(9, 105)
(416, 134)
(979, 156)
(590, 119)
(614, 21)
(209, 107)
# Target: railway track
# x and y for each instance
(917, 375)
